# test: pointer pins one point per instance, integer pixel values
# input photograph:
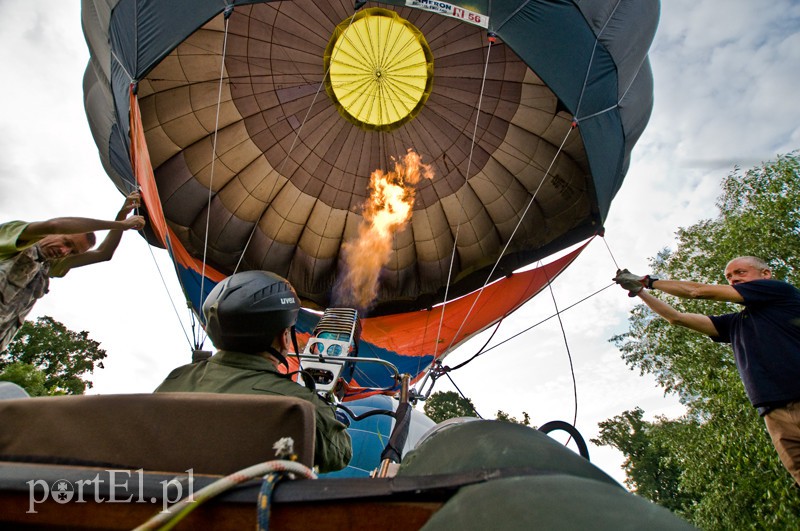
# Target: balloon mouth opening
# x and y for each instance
(379, 69)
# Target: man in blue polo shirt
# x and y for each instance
(765, 337)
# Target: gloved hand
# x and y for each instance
(633, 283)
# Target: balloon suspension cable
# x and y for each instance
(589, 69)
(434, 372)
(573, 125)
(197, 342)
(480, 350)
(462, 394)
(194, 343)
(172, 302)
(492, 39)
(268, 201)
(511, 237)
(167, 240)
(227, 13)
(437, 371)
(506, 340)
(611, 254)
(122, 66)
(135, 187)
(569, 354)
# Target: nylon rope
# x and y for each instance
(611, 254)
(289, 152)
(213, 164)
(122, 66)
(512, 15)
(166, 288)
(171, 254)
(461, 217)
(175, 513)
(462, 395)
(569, 353)
(566, 343)
(131, 188)
(485, 344)
(589, 69)
(443, 370)
(228, 10)
(576, 121)
(563, 332)
(510, 238)
(168, 244)
(195, 342)
(585, 80)
(549, 283)
(598, 113)
(482, 352)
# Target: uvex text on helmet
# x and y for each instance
(247, 310)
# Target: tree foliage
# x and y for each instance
(26, 376)
(650, 467)
(716, 465)
(443, 405)
(505, 417)
(46, 357)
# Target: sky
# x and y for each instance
(726, 77)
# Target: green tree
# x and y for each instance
(46, 357)
(651, 467)
(505, 417)
(729, 476)
(26, 376)
(443, 405)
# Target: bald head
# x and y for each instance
(745, 269)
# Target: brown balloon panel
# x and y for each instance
(294, 157)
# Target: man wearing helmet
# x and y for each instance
(250, 318)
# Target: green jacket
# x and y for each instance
(238, 373)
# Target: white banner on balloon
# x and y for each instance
(450, 10)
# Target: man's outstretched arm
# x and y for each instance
(693, 321)
(696, 290)
(72, 225)
(105, 251)
(635, 285)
